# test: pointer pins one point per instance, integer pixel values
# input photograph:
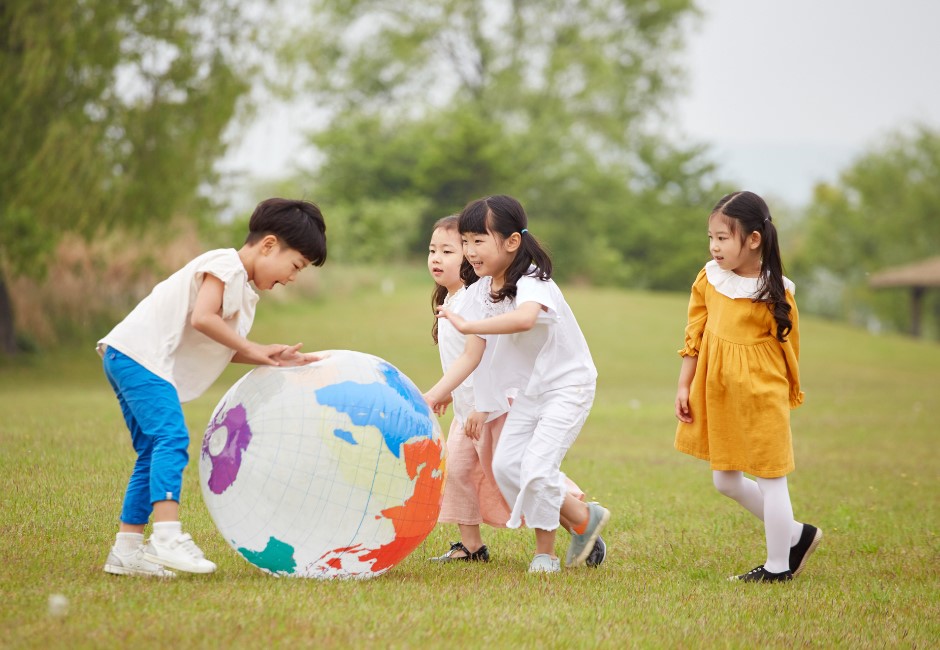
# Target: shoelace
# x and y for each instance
(185, 541)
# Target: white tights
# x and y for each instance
(768, 499)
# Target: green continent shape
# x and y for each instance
(277, 557)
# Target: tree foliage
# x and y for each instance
(884, 211)
(113, 112)
(556, 102)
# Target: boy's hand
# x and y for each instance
(261, 355)
(291, 356)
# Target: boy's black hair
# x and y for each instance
(297, 224)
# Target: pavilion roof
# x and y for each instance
(925, 273)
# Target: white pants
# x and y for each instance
(527, 464)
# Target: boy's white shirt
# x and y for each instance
(553, 354)
(158, 333)
(450, 344)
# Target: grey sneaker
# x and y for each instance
(544, 563)
(582, 545)
(134, 564)
(180, 553)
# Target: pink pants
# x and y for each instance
(471, 495)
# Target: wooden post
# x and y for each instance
(917, 308)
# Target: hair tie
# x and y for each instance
(766, 219)
(523, 231)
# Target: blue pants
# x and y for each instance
(154, 416)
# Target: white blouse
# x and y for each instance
(553, 354)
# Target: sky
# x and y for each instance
(785, 92)
(788, 93)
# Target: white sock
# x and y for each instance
(734, 485)
(164, 531)
(778, 522)
(796, 531)
(127, 543)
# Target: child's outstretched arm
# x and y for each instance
(457, 373)
(207, 319)
(520, 319)
(686, 373)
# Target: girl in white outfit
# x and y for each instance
(526, 342)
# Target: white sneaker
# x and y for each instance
(134, 564)
(544, 563)
(180, 553)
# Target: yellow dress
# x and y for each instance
(746, 381)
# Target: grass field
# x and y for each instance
(868, 473)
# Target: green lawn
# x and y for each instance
(868, 473)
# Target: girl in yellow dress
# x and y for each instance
(740, 378)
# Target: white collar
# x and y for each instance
(729, 283)
(450, 298)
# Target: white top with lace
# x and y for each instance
(553, 354)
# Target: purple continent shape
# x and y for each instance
(226, 463)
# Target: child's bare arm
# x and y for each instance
(207, 318)
(686, 373)
(458, 372)
(520, 319)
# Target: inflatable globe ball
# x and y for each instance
(334, 469)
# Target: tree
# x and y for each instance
(553, 101)
(884, 211)
(113, 112)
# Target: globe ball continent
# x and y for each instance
(334, 469)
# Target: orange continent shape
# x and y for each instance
(416, 518)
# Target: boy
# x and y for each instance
(171, 348)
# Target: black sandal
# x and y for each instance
(482, 554)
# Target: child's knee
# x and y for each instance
(727, 483)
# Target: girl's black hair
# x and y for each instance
(467, 275)
(747, 213)
(503, 215)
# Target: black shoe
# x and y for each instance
(760, 574)
(800, 552)
(482, 554)
(598, 554)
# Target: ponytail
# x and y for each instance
(771, 288)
